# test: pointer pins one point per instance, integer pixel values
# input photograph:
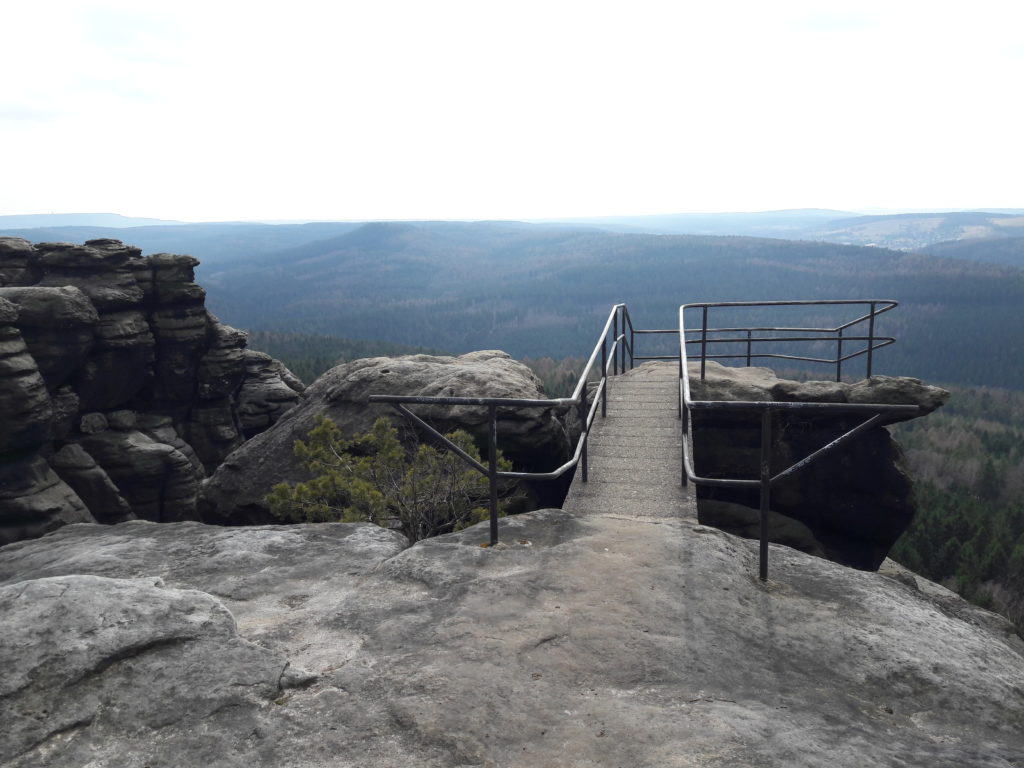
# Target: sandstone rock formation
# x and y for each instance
(119, 391)
(180, 645)
(849, 506)
(592, 640)
(534, 439)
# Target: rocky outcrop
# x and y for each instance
(119, 391)
(593, 640)
(267, 392)
(127, 656)
(850, 505)
(534, 439)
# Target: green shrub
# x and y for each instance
(421, 491)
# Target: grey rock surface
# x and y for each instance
(580, 640)
(737, 383)
(851, 505)
(535, 440)
(104, 348)
(90, 661)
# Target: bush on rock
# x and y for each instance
(420, 491)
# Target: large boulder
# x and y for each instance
(851, 505)
(534, 439)
(579, 641)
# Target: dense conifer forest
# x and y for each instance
(967, 460)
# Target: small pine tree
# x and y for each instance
(421, 492)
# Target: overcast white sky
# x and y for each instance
(383, 109)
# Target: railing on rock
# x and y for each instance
(616, 345)
(746, 336)
(875, 412)
(613, 348)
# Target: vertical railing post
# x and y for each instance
(703, 341)
(766, 487)
(632, 339)
(839, 356)
(604, 343)
(492, 469)
(623, 350)
(679, 412)
(871, 337)
(583, 410)
(604, 376)
(748, 347)
(684, 416)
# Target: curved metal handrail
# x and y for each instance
(616, 342)
(611, 357)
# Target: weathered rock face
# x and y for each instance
(850, 505)
(535, 439)
(592, 640)
(180, 645)
(119, 392)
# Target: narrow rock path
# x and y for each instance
(635, 452)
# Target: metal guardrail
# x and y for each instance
(875, 412)
(613, 348)
(616, 344)
(836, 334)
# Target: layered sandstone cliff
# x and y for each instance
(119, 390)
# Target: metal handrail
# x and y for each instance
(876, 307)
(616, 343)
(875, 412)
(613, 356)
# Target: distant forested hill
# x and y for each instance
(540, 290)
(308, 355)
(909, 231)
(1006, 250)
(543, 291)
(904, 231)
